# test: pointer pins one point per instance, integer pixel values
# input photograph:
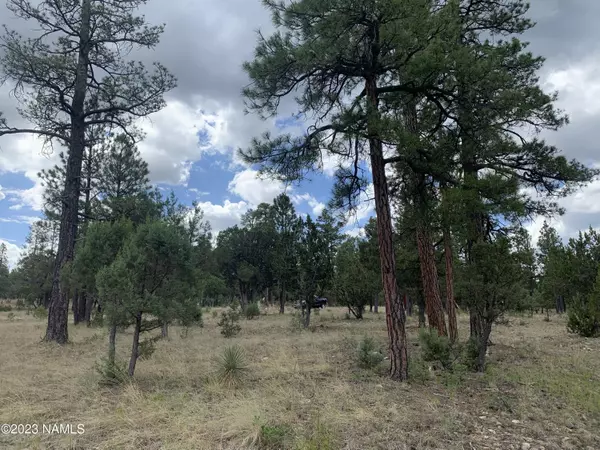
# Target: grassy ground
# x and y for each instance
(304, 390)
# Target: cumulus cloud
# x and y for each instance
(248, 186)
(223, 216)
(316, 206)
(13, 253)
(20, 219)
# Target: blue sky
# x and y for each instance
(203, 169)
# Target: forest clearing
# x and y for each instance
(304, 390)
(391, 177)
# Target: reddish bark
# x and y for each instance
(452, 322)
(429, 278)
(394, 312)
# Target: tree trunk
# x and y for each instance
(421, 311)
(486, 330)
(243, 296)
(376, 304)
(282, 301)
(164, 331)
(81, 308)
(135, 348)
(75, 307)
(307, 316)
(450, 302)
(269, 297)
(475, 324)
(112, 344)
(395, 315)
(89, 305)
(58, 311)
(430, 280)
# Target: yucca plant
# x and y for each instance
(231, 366)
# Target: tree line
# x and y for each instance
(436, 104)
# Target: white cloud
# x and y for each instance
(31, 197)
(317, 206)
(355, 232)
(254, 190)
(2, 195)
(223, 216)
(172, 143)
(579, 87)
(584, 201)
(13, 253)
(366, 207)
(20, 219)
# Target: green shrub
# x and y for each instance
(20, 304)
(418, 371)
(10, 316)
(97, 320)
(297, 322)
(112, 374)
(369, 353)
(40, 313)
(229, 322)
(252, 311)
(273, 437)
(147, 347)
(436, 349)
(214, 314)
(470, 354)
(584, 319)
(231, 366)
(5, 308)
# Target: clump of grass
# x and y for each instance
(214, 314)
(10, 317)
(229, 322)
(297, 322)
(274, 437)
(40, 313)
(5, 308)
(320, 438)
(418, 372)
(369, 353)
(97, 320)
(112, 373)
(231, 366)
(252, 311)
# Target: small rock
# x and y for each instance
(482, 417)
(380, 386)
(515, 421)
(525, 446)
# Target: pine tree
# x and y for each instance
(344, 84)
(5, 288)
(287, 229)
(79, 79)
(150, 283)
(123, 177)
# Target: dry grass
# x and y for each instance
(542, 388)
